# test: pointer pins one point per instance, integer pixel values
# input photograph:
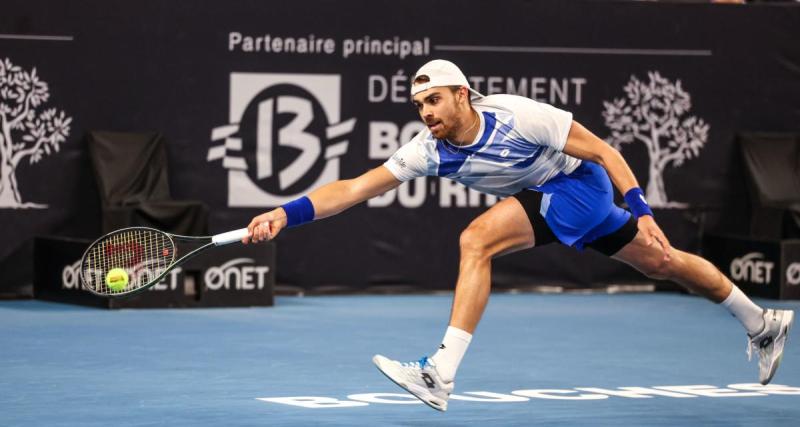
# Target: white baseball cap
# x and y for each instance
(441, 73)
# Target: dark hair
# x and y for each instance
(421, 79)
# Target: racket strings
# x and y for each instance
(143, 254)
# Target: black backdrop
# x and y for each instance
(197, 73)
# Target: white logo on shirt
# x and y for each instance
(399, 160)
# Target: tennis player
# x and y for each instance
(556, 177)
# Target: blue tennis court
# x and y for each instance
(388, 164)
(567, 359)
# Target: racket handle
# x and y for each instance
(230, 237)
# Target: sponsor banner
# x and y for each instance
(238, 274)
(753, 268)
(759, 267)
(744, 390)
(791, 268)
(230, 276)
(260, 105)
(793, 274)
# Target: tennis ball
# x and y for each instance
(117, 279)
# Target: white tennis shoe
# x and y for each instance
(769, 342)
(419, 378)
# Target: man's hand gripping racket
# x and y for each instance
(266, 226)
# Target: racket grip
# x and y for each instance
(230, 237)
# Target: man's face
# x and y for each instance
(441, 110)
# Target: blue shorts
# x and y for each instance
(579, 208)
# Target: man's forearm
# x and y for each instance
(583, 144)
(332, 198)
(618, 170)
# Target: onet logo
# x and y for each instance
(752, 268)
(793, 274)
(71, 277)
(238, 274)
(241, 274)
(285, 137)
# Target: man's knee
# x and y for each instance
(474, 241)
(658, 268)
(676, 268)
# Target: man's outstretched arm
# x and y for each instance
(325, 201)
(583, 144)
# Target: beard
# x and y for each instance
(441, 129)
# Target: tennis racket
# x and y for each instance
(131, 260)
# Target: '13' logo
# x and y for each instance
(284, 139)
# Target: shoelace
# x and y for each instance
(750, 346)
(417, 364)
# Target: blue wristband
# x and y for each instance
(299, 212)
(637, 203)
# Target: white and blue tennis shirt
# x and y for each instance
(519, 145)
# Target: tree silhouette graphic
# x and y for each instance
(652, 113)
(26, 132)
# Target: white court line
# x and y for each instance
(36, 37)
(575, 50)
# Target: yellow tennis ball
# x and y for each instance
(117, 279)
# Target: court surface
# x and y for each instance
(67, 365)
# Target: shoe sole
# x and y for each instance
(408, 389)
(786, 326)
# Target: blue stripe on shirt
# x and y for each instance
(452, 157)
(521, 148)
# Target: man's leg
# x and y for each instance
(767, 329)
(502, 229)
(690, 271)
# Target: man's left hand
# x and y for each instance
(653, 234)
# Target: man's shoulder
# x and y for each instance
(422, 143)
(423, 137)
(519, 108)
(504, 101)
(512, 110)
